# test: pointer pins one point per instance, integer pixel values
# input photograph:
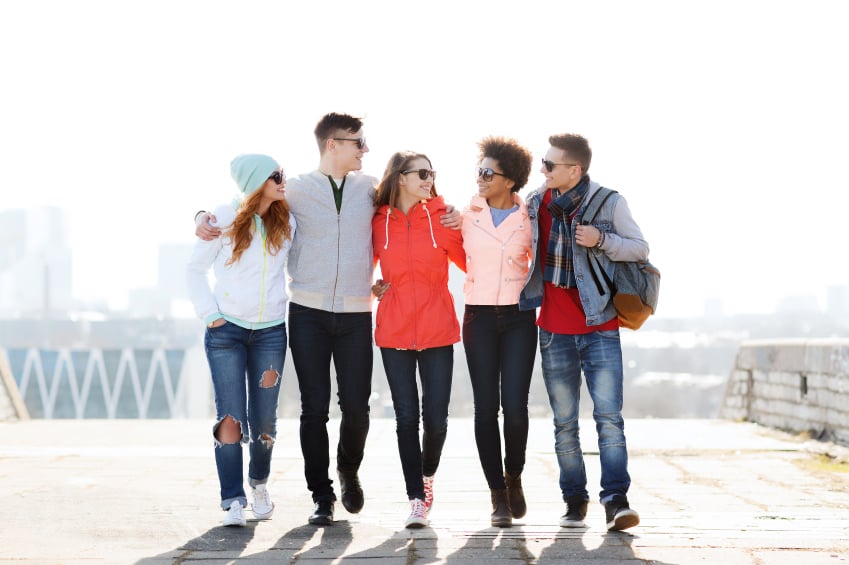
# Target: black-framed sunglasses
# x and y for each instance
(424, 174)
(486, 174)
(360, 141)
(549, 165)
(278, 177)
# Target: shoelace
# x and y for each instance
(418, 508)
(263, 497)
(428, 489)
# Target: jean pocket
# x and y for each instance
(609, 334)
(545, 339)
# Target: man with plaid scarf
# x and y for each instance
(578, 325)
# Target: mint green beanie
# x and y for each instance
(250, 171)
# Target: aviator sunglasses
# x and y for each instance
(486, 174)
(424, 174)
(549, 165)
(278, 177)
(360, 141)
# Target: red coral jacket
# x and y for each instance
(417, 311)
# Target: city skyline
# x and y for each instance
(27, 236)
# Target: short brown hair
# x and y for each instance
(577, 147)
(330, 123)
(514, 159)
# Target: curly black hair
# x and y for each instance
(513, 159)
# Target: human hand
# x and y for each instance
(379, 288)
(217, 323)
(203, 229)
(587, 236)
(451, 219)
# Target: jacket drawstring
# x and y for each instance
(430, 224)
(386, 245)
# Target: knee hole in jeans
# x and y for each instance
(270, 378)
(228, 430)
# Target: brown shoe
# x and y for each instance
(500, 509)
(516, 495)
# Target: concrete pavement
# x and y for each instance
(131, 491)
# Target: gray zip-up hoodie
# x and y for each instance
(331, 261)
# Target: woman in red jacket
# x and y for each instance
(416, 324)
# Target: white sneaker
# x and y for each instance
(235, 515)
(262, 506)
(428, 490)
(418, 514)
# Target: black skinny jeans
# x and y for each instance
(316, 337)
(501, 344)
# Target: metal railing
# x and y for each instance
(104, 383)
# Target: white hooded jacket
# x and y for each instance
(252, 290)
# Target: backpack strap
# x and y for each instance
(591, 211)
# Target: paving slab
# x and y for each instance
(133, 491)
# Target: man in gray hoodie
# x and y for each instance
(330, 269)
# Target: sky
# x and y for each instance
(722, 123)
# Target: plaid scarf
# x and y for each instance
(559, 268)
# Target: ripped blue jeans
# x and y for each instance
(246, 367)
(599, 356)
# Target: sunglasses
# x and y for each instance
(424, 174)
(360, 141)
(487, 174)
(278, 177)
(549, 165)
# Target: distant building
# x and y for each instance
(35, 263)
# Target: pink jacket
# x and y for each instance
(497, 259)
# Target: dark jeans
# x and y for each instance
(436, 366)
(316, 336)
(238, 358)
(501, 344)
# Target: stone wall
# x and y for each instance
(793, 385)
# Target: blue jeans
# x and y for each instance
(501, 344)
(599, 356)
(436, 366)
(238, 359)
(316, 337)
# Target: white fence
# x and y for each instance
(111, 383)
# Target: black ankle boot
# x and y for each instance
(516, 495)
(500, 509)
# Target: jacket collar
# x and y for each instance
(479, 203)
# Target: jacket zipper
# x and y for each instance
(262, 284)
(338, 257)
(412, 277)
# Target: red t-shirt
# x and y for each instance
(561, 312)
